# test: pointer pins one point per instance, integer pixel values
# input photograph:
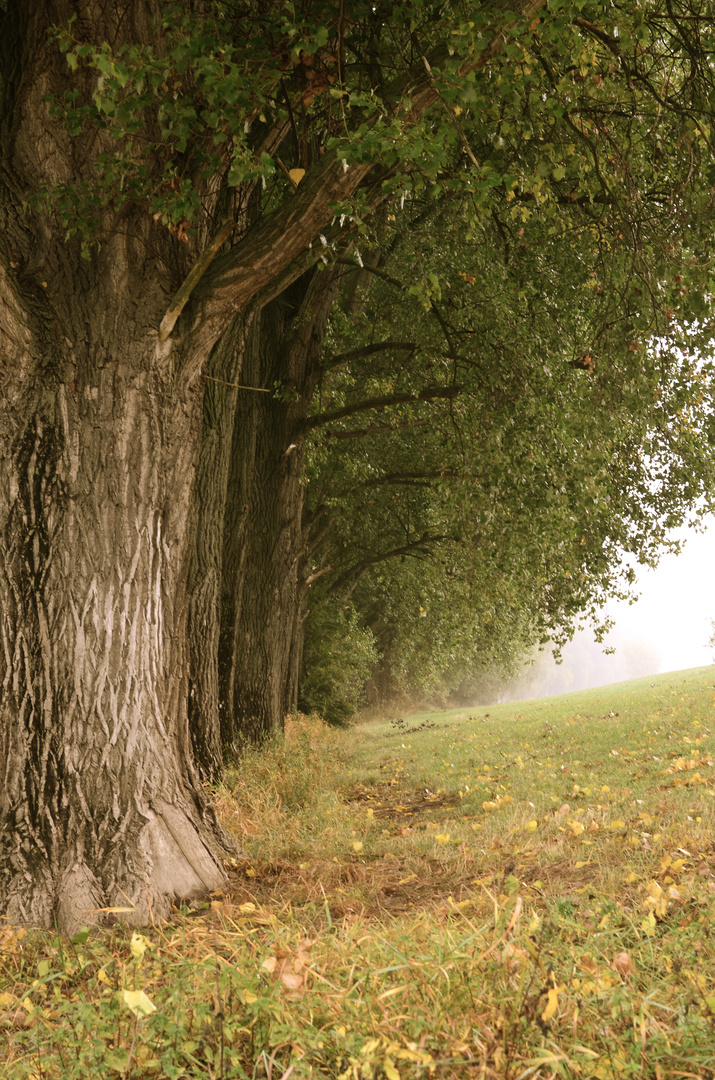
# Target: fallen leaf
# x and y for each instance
(389, 1069)
(138, 946)
(623, 964)
(138, 1002)
(552, 1002)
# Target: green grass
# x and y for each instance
(526, 890)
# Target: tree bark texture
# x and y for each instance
(100, 803)
(208, 524)
(264, 548)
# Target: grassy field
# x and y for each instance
(526, 890)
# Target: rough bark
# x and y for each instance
(100, 803)
(208, 525)
(261, 618)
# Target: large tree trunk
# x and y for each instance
(99, 800)
(208, 528)
(264, 547)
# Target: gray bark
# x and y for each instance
(100, 803)
(99, 800)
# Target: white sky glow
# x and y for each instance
(676, 605)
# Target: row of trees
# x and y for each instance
(383, 316)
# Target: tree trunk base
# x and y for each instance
(172, 859)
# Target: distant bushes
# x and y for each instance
(339, 658)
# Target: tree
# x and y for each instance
(179, 183)
(467, 528)
(139, 255)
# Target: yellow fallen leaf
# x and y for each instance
(580, 863)
(552, 1003)
(247, 908)
(138, 946)
(357, 845)
(249, 871)
(269, 964)
(389, 1069)
(532, 826)
(648, 924)
(442, 838)
(616, 824)
(296, 175)
(249, 997)
(138, 1002)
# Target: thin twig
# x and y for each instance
(238, 386)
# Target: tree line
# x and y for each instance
(378, 324)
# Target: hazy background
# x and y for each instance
(666, 630)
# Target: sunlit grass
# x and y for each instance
(522, 890)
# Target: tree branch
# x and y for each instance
(368, 350)
(279, 240)
(374, 429)
(358, 569)
(428, 394)
(415, 479)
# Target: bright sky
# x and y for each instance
(667, 629)
(676, 606)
